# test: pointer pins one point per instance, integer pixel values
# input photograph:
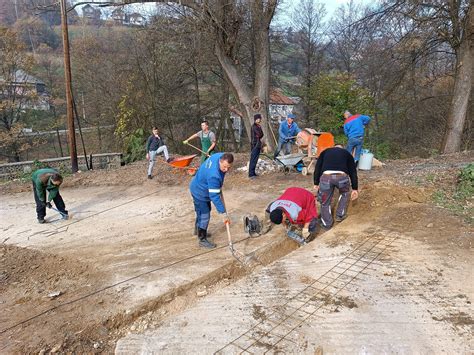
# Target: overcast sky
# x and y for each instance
(286, 8)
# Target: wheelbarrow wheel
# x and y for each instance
(304, 171)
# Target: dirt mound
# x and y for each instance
(39, 272)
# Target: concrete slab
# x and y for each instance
(122, 253)
(360, 288)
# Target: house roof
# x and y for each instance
(277, 97)
(136, 15)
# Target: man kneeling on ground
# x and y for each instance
(296, 207)
(206, 187)
(333, 169)
(47, 180)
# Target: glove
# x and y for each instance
(48, 204)
(226, 219)
(185, 142)
(305, 233)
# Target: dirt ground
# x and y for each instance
(127, 261)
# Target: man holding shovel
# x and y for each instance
(47, 180)
(206, 187)
(208, 140)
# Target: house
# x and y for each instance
(136, 19)
(29, 91)
(91, 13)
(280, 105)
(119, 16)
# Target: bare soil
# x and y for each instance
(127, 260)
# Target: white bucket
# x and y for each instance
(365, 161)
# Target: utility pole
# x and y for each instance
(67, 77)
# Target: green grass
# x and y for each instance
(460, 199)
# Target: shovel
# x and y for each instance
(199, 150)
(240, 257)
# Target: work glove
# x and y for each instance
(226, 218)
(305, 233)
(185, 142)
(48, 204)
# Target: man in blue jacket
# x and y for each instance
(206, 187)
(287, 132)
(354, 126)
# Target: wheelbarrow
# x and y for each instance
(182, 164)
(289, 161)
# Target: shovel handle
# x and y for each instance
(203, 152)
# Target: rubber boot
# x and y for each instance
(202, 235)
(208, 235)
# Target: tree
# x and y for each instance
(332, 94)
(308, 22)
(14, 94)
(226, 21)
(435, 24)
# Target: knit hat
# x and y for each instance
(291, 115)
(257, 116)
(276, 216)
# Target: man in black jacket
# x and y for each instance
(155, 145)
(335, 168)
(256, 144)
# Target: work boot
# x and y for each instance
(202, 235)
(208, 235)
(340, 219)
(169, 160)
(65, 217)
(41, 220)
(150, 177)
(206, 244)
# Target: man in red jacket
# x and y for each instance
(296, 207)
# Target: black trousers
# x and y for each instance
(255, 153)
(41, 208)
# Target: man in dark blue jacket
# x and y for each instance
(354, 126)
(255, 144)
(206, 187)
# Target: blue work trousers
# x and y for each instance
(203, 213)
(355, 143)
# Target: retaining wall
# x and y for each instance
(99, 161)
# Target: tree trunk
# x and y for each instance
(462, 91)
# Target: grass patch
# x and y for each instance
(459, 200)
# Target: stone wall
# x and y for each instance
(99, 161)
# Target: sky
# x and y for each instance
(283, 16)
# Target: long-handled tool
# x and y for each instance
(63, 215)
(235, 253)
(242, 258)
(199, 150)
